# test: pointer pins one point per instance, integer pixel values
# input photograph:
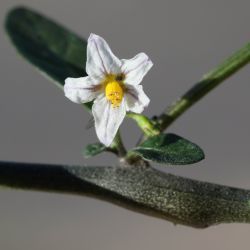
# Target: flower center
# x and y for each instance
(114, 93)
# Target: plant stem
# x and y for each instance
(204, 86)
(118, 146)
(147, 126)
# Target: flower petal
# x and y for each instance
(136, 68)
(81, 90)
(136, 99)
(100, 58)
(107, 119)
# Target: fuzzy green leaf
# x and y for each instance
(52, 49)
(93, 149)
(145, 190)
(170, 149)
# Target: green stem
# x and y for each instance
(148, 127)
(203, 87)
(118, 146)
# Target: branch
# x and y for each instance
(208, 83)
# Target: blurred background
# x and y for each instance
(184, 39)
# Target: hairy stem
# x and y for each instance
(118, 146)
(204, 86)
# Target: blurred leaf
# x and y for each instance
(145, 190)
(55, 51)
(170, 149)
(93, 149)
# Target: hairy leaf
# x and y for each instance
(52, 49)
(146, 190)
(170, 149)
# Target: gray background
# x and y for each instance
(184, 39)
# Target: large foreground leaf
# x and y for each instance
(52, 49)
(180, 200)
(170, 149)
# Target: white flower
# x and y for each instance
(113, 83)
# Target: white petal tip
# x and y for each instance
(104, 140)
(67, 82)
(93, 36)
(67, 85)
(146, 104)
(148, 60)
(150, 63)
(106, 143)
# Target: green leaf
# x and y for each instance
(170, 149)
(52, 49)
(145, 190)
(93, 149)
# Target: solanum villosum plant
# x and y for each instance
(112, 90)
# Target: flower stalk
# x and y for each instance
(117, 146)
(148, 127)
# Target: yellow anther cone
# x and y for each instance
(114, 93)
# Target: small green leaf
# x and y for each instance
(52, 49)
(170, 149)
(93, 149)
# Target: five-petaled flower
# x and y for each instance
(113, 83)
